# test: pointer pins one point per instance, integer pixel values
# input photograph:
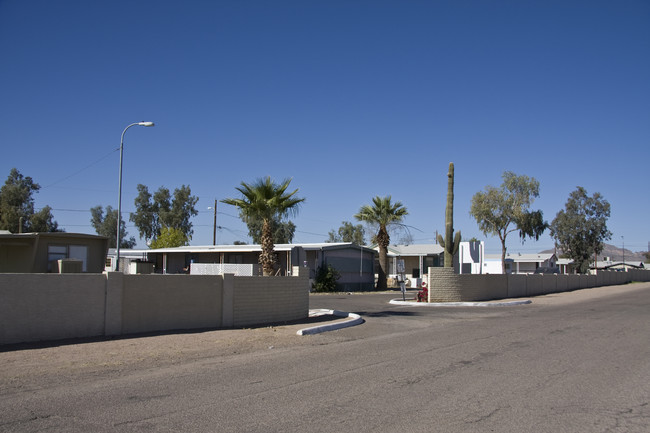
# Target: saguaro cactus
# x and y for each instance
(450, 242)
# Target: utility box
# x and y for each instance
(69, 266)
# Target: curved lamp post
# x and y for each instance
(119, 197)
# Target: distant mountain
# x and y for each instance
(614, 253)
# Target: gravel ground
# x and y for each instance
(30, 364)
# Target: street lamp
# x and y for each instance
(119, 197)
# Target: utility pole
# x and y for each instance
(214, 230)
(623, 237)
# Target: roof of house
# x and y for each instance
(415, 250)
(236, 248)
(4, 234)
(605, 264)
(522, 258)
(528, 258)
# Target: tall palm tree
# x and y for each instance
(382, 213)
(266, 201)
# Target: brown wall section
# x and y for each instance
(162, 302)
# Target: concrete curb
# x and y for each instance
(460, 304)
(355, 319)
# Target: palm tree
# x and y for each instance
(266, 201)
(382, 213)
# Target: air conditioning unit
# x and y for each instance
(69, 266)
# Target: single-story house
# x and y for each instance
(417, 259)
(518, 263)
(45, 252)
(619, 265)
(492, 264)
(353, 262)
(566, 266)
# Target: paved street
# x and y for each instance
(574, 362)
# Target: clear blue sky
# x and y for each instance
(351, 99)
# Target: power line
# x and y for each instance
(83, 169)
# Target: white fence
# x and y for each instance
(238, 270)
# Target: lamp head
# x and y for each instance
(146, 123)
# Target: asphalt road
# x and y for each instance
(574, 362)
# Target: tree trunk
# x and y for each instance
(503, 256)
(383, 240)
(267, 257)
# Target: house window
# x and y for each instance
(79, 252)
(58, 252)
(54, 253)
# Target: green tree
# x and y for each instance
(43, 221)
(581, 228)
(348, 232)
(106, 225)
(145, 217)
(283, 231)
(266, 201)
(162, 210)
(169, 237)
(501, 211)
(382, 214)
(17, 206)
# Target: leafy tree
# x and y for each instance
(348, 233)
(501, 211)
(169, 237)
(283, 231)
(326, 278)
(106, 225)
(383, 214)
(266, 201)
(647, 257)
(43, 221)
(161, 210)
(581, 228)
(146, 216)
(17, 205)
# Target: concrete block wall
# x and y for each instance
(271, 300)
(446, 286)
(516, 285)
(163, 302)
(43, 307)
(573, 282)
(549, 283)
(51, 306)
(534, 285)
(492, 286)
